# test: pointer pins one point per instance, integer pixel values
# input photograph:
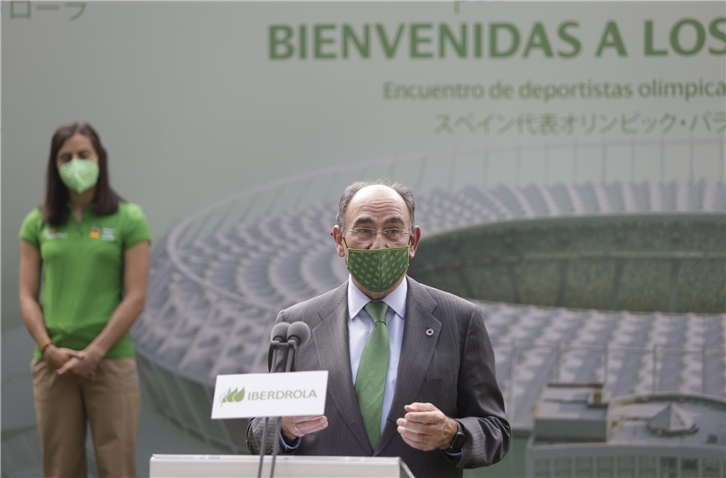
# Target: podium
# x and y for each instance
(244, 466)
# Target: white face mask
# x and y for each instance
(79, 175)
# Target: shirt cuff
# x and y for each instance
(453, 457)
(285, 448)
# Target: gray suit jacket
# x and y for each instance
(453, 368)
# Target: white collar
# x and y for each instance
(395, 300)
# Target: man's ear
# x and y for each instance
(413, 242)
(338, 238)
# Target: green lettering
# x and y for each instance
(649, 49)
(303, 34)
(477, 40)
(673, 90)
(494, 36)
(538, 39)
(416, 39)
(567, 38)
(692, 89)
(675, 37)
(716, 33)
(611, 38)
(387, 89)
(276, 41)
(389, 49)
(363, 46)
(319, 41)
(445, 33)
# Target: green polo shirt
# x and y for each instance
(83, 267)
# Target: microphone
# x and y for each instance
(278, 337)
(299, 332)
(279, 333)
(278, 340)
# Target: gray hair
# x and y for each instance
(351, 191)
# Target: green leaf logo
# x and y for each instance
(239, 396)
(224, 397)
(235, 395)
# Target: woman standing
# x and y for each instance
(90, 250)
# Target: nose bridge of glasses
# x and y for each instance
(384, 239)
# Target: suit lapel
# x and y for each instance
(417, 350)
(331, 339)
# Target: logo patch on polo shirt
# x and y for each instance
(95, 232)
(108, 234)
(50, 233)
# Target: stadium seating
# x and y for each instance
(213, 296)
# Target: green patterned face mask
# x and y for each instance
(377, 269)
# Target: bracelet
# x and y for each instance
(45, 345)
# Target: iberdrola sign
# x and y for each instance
(270, 395)
(238, 395)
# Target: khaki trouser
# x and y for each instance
(111, 404)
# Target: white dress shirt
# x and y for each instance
(360, 326)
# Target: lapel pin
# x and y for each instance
(429, 332)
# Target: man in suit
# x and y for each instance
(411, 368)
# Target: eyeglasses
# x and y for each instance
(366, 234)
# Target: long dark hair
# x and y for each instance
(55, 211)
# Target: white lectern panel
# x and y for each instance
(244, 466)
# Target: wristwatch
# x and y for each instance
(457, 443)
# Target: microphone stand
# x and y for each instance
(263, 448)
(292, 348)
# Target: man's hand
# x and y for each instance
(426, 428)
(295, 427)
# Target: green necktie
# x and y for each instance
(371, 378)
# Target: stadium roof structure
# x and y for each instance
(221, 276)
(652, 434)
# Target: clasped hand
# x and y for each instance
(80, 365)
